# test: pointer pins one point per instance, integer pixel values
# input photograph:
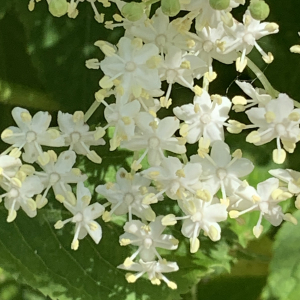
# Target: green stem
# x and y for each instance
(262, 78)
(184, 158)
(91, 110)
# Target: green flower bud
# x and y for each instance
(170, 7)
(259, 10)
(58, 8)
(133, 11)
(219, 4)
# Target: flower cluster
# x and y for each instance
(208, 186)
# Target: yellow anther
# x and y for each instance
(75, 245)
(40, 201)
(54, 133)
(31, 204)
(221, 45)
(93, 225)
(257, 230)
(204, 195)
(136, 166)
(210, 76)
(150, 199)
(172, 285)
(44, 158)
(21, 175)
(118, 18)
(255, 198)
(60, 198)
(16, 182)
(107, 49)
(12, 214)
(294, 116)
(225, 202)
(92, 63)
(235, 126)
(271, 27)
(276, 193)
(154, 62)
(297, 202)
(184, 129)
(52, 155)
(153, 174)
(237, 154)
(94, 157)
(164, 102)
(126, 120)
(233, 214)
(248, 20)
(155, 281)
(31, 5)
(153, 124)
(16, 153)
(124, 242)
(198, 90)
(185, 65)
(180, 173)
(239, 100)
(106, 82)
(197, 108)
(279, 156)
(78, 116)
(268, 58)
(7, 133)
(190, 44)
(106, 217)
(109, 25)
(181, 140)
(295, 49)
(194, 245)
(217, 98)
(100, 95)
(130, 277)
(290, 218)
(26, 117)
(240, 65)
(59, 224)
(153, 113)
(70, 197)
(253, 137)
(169, 220)
(213, 233)
(137, 43)
(143, 190)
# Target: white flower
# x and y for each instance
(20, 194)
(121, 116)
(131, 65)
(31, 133)
(204, 118)
(147, 238)
(126, 196)
(154, 270)
(181, 68)
(174, 178)
(200, 214)
(83, 216)
(78, 136)
(277, 120)
(58, 173)
(159, 31)
(9, 166)
(156, 136)
(257, 97)
(221, 170)
(265, 199)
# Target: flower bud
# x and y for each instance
(219, 4)
(58, 8)
(170, 7)
(259, 9)
(133, 11)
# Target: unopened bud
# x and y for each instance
(219, 4)
(259, 10)
(58, 8)
(133, 11)
(170, 7)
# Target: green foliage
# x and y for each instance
(283, 281)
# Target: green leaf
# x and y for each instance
(283, 281)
